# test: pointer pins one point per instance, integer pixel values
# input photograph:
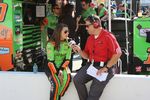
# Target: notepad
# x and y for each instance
(92, 72)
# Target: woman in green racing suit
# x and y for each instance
(58, 55)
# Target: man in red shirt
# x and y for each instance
(103, 51)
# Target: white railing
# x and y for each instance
(30, 86)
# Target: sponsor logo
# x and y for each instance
(4, 50)
(5, 33)
(3, 10)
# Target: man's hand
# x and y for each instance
(76, 48)
(45, 21)
(77, 23)
(102, 70)
(78, 18)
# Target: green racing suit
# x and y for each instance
(58, 60)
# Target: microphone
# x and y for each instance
(71, 42)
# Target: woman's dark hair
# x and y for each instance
(66, 11)
(57, 34)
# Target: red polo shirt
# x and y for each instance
(103, 47)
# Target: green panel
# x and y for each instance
(44, 38)
(139, 42)
(17, 22)
(31, 36)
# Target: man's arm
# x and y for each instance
(77, 49)
(83, 54)
(114, 48)
(110, 63)
(113, 60)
